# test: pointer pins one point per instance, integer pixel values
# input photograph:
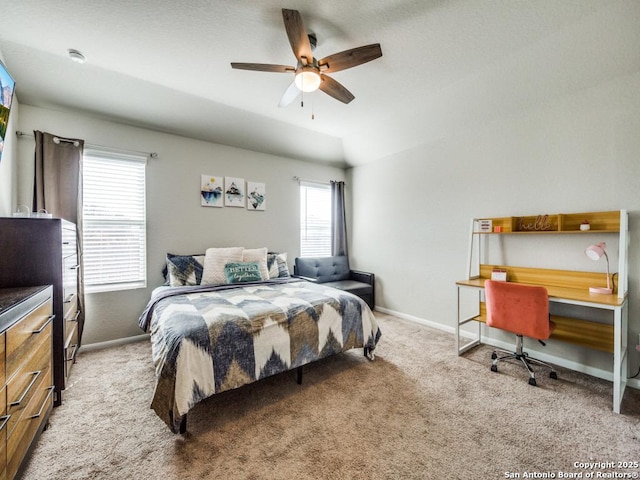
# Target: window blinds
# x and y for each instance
(315, 220)
(114, 221)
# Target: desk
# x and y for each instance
(610, 338)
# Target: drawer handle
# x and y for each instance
(69, 298)
(76, 317)
(26, 391)
(45, 324)
(73, 354)
(75, 267)
(4, 419)
(37, 415)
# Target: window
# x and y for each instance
(113, 221)
(315, 220)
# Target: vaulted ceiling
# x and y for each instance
(446, 65)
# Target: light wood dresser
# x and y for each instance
(26, 377)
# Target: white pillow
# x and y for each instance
(214, 261)
(257, 255)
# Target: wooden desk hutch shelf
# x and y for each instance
(563, 286)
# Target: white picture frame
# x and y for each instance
(234, 192)
(211, 191)
(256, 196)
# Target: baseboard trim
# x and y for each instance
(562, 362)
(113, 343)
(421, 321)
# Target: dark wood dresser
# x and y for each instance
(26, 380)
(40, 251)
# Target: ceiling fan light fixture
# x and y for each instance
(307, 80)
(310, 73)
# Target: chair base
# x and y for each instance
(524, 358)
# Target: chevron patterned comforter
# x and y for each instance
(209, 339)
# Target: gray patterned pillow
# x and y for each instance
(184, 269)
(277, 265)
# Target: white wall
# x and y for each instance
(176, 222)
(411, 211)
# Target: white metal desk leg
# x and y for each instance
(617, 347)
(460, 349)
(619, 356)
(458, 324)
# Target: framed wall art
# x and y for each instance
(7, 85)
(256, 196)
(211, 191)
(234, 192)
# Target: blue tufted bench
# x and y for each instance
(334, 272)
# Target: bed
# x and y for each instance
(208, 339)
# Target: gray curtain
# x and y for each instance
(57, 187)
(338, 220)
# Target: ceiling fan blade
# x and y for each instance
(289, 95)
(335, 89)
(297, 34)
(263, 67)
(350, 58)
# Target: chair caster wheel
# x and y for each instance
(494, 355)
(494, 368)
(532, 381)
(554, 375)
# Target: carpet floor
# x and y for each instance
(418, 411)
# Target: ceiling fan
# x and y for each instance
(310, 73)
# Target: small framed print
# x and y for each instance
(256, 196)
(211, 191)
(234, 192)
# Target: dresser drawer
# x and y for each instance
(3, 377)
(70, 348)
(69, 276)
(68, 241)
(30, 419)
(70, 308)
(22, 338)
(34, 375)
(3, 433)
(3, 413)
(71, 316)
(68, 249)
(3, 459)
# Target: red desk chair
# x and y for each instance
(523, 310)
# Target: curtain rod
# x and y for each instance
(323, 182)
(20, 133)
